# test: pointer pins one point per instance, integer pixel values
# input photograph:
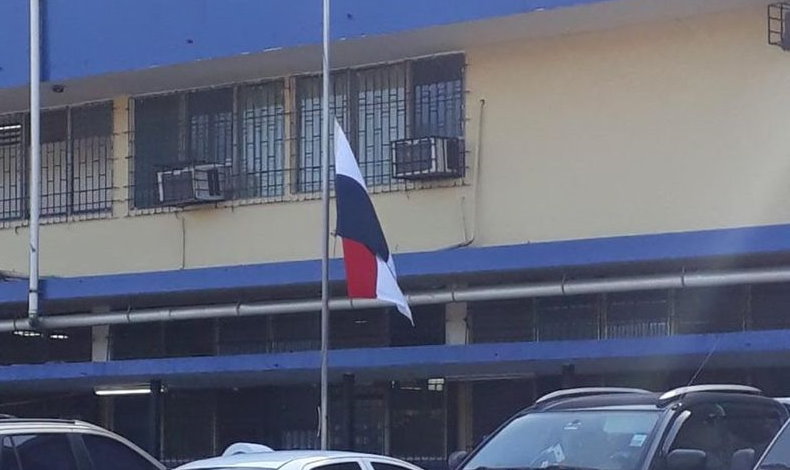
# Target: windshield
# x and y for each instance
(604, 440)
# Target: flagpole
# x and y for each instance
(324, 425)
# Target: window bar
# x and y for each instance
(68, 198)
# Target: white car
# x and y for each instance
(254, 456)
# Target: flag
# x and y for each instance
(370, 271)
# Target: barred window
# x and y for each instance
(238, 130)
(376, 106)
(12, 168)
(262, 161)
(309, 116)
(76, 169)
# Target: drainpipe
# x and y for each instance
(681, 280)
(35, 157)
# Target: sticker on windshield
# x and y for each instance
(638, 440)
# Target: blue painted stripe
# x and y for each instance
(639, 248)
(745, 345)
(92, 37)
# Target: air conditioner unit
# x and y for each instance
(192, 185)
(427, 158)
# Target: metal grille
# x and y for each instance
(640, 314)
(502, 321)
(261, 168)
(309, 125)
(378, 106)
(55, 166)
(240, 131)
(778, 27)
(91, 142)
(567, 319)
(76, 162)
(12, 168)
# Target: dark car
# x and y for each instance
(705, 427)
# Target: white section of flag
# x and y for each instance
(345, 163)
(387, 288)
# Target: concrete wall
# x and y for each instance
(669, 126)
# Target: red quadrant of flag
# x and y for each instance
(361, 270)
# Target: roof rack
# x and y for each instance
(679, 392)
(586, 392)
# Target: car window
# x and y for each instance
(778, 456)
(340, 466)
(110, 454)
(722, 429)
(45, 451)
(387, 466)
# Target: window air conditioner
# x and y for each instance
(427, 158)
(192, 185)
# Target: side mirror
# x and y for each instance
(686, 459)
(455, 459)
(743, 459)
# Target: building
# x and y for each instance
(618, 213)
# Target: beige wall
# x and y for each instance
(662, 127)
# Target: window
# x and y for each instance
(386, 466)
(567, 318)
(340, 466)
(710, 310)
(502, 321)
(12, 168)
(308, 91)
(637, 314)
(76, 168)
(778, 456)
(376, 106)
(37, 452)
(721, 429)
(240, 130)
(109, 454)
(190, 434)
(418, 421)
(262, 161)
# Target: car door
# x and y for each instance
(107, 453)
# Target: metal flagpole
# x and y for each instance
(35, 158)
(324, 426)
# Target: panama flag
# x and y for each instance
(370, 272)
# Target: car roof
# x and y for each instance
(640, 399)
(12, 423)
(277, 459)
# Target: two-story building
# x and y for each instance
(605, 203)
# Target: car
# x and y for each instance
(59, 444)
(254, 456)
(702, 427)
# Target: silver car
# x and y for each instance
(52, 444)
(250, 456)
